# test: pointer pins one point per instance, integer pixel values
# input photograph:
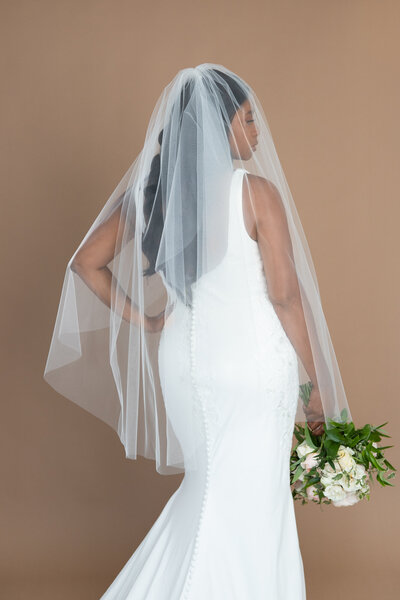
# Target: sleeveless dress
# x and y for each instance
(229, 531)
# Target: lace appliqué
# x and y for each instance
(278, 368)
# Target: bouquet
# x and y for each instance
(337, 466)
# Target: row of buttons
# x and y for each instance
(199, 400)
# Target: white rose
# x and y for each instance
(303, 449)
(348, 500)
(327, 478)
(349, 483)
(346, 462)
(329, 469)
(328, 473)
(360, 471)
(334, 492)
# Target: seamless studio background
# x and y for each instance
(73, 509)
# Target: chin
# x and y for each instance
(244, 156)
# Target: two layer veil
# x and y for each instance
(164, 227)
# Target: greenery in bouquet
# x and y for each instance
(337, 467)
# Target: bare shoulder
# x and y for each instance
(260, 183)
(264, 197)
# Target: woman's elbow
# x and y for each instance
(79, 263)
(286, 298)
(283, 301)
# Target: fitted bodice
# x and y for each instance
(240, 272)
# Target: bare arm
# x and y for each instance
(90, 263)
(283, 288)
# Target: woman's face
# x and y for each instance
(243, 133)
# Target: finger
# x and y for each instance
(317, 428)
(314, 425)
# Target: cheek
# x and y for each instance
(242, 140)
(245, 145)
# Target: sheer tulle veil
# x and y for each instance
(169, 214)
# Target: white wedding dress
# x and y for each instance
(229, 531)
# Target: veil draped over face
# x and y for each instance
(162, 229)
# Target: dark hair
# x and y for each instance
(152, 205)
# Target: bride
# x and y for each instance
(189, 316)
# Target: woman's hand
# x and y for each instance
(154, 323)
(314, 412)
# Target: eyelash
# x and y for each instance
(252, 121)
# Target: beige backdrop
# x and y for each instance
(79, 82)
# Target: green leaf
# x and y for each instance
(331, 447)
(311, 482)
(366, 431)
(375, 463)
(297, 473)
(331, 463)
(298, 435)
(389, 465)
(379, 426)
(308, 438)
(382, 480)
(335, 436)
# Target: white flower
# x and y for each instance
(348, 500)
(326, 479)
(360, 471)
(344, 458)
(334, 492)
(310, 461)
(350, 483)
(303, 449)
(364, 487)
(355, 479)
(330, 470)
(328, 473)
